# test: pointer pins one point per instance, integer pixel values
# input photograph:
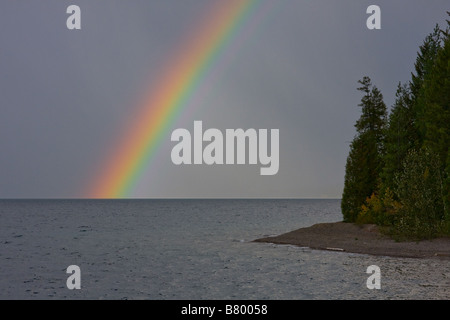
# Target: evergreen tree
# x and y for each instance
(419, 187)
(401, 135)
(373, 117)
(408, 155)
(425, 60)
(435, 96)
(364, 162)
(357, 185)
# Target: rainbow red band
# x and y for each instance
(178, 82)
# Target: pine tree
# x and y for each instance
(408, 155)
(419, 187)
(425, 60)
(373, 117)
(423, 182)
(401, 135)
(435, 95)
(364, 162)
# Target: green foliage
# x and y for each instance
(424, 66)
(447, 190)
(398, 171)
(374, 114)
(420, 190)
(401, 135)
(436, 118)
(425, 59)
(357, 185)
(364, 162)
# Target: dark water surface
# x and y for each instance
(191, 249)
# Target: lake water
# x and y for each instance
(191, 249)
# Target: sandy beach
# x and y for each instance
(364, 239)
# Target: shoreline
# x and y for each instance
(362, 239)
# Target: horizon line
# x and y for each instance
(183, 198)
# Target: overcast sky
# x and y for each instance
(65, 95)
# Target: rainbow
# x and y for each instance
(179, 80)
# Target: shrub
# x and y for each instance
(380, 210)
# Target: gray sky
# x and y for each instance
(66, 95)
